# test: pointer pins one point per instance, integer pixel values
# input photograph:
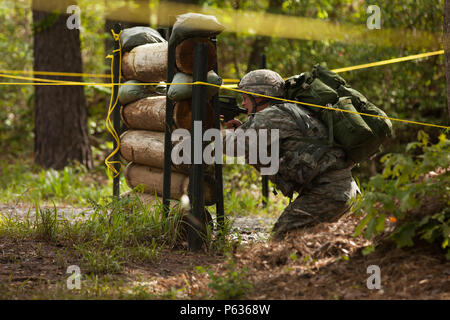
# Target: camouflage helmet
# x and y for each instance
(263, 81)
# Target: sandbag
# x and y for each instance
(146, 147)
(184, 54)
(143, 147)
(183, 112)
(129, 93)
(150, 114)
(147, 63)
(145, 114)
(137, 36)
(183, 92)
(152, 180)
(190, 25)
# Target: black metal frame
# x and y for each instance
(220, 211)
(196, 218)
(168, 129)
(196, 177)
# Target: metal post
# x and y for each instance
(116, 114)
(220, 213)
(264, 179)
(168, 131)
(162, 32)
(197, 225)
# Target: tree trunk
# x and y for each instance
(447, 49)
(61, 132)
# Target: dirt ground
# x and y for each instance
(324, 262)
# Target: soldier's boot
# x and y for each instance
(307, 211)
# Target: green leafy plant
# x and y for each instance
(230, 285)
(412, 192)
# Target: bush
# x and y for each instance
(412, 192)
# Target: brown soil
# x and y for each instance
(324, 262)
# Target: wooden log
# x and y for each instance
(184, 54)
(147, 148)
(147, 63)
(149, 114)
(145, 114)
(143, 147)
(152, 179)
(182, 114)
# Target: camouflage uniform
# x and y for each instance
(318, 172)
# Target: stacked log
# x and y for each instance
(142, 145)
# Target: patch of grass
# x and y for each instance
(46, 224)
(220, 240)
(115, 233)
(232, 284)
(24, 182)
(102, 261)
(243, 192)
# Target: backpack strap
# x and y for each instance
(299, 117)
(304, 123)
(330, 127)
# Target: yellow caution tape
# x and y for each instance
(54, 73)
(112, 106)
(389, 61)
(231, 87)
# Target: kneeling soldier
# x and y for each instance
(308, 165)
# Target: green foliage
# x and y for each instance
(46, 23)
(406, 182)
(97, 261)
(242, 192)
(16, 50)
(221, 239)
(46, 224)
(232, 284)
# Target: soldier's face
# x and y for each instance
(247, 102)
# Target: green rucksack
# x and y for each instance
(359, 135)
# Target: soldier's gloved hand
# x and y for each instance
(233, 124)
(286, 188)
